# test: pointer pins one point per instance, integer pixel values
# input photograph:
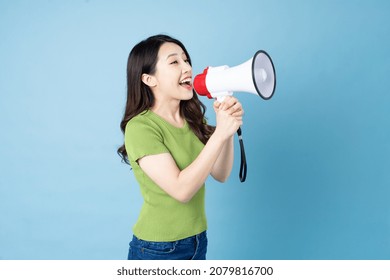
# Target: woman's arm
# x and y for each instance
(224, 164)
(183, 185)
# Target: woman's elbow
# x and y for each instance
(183, 197)
(221, 178)
(185, 194)
(221, 175)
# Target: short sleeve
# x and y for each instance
(143, 138)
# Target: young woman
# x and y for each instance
(172, 150)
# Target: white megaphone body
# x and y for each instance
(256, 76)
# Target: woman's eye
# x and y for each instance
(174, 62)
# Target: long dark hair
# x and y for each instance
(142, 60)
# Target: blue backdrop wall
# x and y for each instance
(318, 152)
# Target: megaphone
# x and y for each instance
(256, 76)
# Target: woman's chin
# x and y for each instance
(188, 95)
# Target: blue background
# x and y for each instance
(318, 152)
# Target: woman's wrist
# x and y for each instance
(220, 135)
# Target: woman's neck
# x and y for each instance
(169, 112)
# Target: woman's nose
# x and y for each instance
(187, 67)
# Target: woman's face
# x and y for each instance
(173, 75)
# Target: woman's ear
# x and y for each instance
(148, 80)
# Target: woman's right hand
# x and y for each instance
(228, 116)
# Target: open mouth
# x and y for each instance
(187, 83)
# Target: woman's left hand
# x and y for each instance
(231, 105)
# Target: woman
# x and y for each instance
(172, 150)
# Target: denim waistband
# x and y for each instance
(188, 240)
(192, 239)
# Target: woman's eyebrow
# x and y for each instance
(173, 54)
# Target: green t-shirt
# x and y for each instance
(163, 218)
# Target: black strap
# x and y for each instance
(243, 158)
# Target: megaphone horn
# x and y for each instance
(256, 76)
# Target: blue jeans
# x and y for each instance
(191, 248)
